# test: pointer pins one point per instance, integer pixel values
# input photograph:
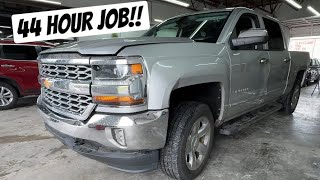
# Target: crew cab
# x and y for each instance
(18, 71)
(156, 100)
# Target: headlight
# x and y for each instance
(118, 81)
(120, 71)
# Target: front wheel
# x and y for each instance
(292, 99)
(189, 142)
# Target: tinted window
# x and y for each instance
(314, 62)
(245, 22)
(204, 27)
(45, 48)
(275, 35)
(311, 62)
(18, 52)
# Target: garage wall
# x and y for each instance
(305, 31)
(309, 44)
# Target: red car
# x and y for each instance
(18, 71)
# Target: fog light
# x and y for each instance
(118, 135)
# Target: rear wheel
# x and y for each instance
(189, 142)
(8, 96)
(292, 99)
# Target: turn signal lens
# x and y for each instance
(136, 69)
(118, 100)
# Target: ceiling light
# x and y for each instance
(10, 36)
(0, 32)
(315, 12)
(8, 27)
(180, 3)
(158, 20)
(295, 4)
(48, 1)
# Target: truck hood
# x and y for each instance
(111, 46)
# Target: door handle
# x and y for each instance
(286, 60)
(8, 66)
(264, 61)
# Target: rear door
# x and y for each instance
(280, 60)
(19, 63)
(248, 75)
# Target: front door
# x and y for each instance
(249, 70)
(279, 60)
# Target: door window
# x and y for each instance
(18, 52)
(45, 48)
(275, 41)
(245, 22)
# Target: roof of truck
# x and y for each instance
(225, 9)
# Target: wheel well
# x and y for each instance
(208, 93)
(12, 83)
(300, 76)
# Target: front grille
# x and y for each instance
(72, 103)
(74, 72)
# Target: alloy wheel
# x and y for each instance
(6, 96)
(198, 143)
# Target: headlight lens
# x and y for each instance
(118, 82)
(120, 71)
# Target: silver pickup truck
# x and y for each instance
(154, 101)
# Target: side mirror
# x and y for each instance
(251, 37)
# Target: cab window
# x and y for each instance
(43, 48)
(245, 22)
(275, 42)
(18, 52)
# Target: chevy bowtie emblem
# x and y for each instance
(47, 83)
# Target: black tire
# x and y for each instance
(173, 158)
(290, 103)
(14, 93)
(305, 83)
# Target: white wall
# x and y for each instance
(306, 44)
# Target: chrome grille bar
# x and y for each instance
(72, 103)
(74, 72)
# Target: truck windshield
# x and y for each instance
(204, 27)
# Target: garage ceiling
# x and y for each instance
(9, 7)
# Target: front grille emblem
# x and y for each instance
(47, 83)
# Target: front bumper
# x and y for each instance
(144, 134)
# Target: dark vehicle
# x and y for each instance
(313, 72)
(18, 71)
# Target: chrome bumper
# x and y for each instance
(142, 131)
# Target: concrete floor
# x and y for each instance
(278, 147)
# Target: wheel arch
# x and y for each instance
(13, 83)
(208, 93)
(301, 75)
